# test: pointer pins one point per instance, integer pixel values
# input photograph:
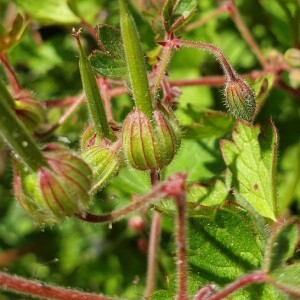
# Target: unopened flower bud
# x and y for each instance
(54, 192)
(150, 144)
(292, 57)
(30, 111)
(240, 99)
(104, 161)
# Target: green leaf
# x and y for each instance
(289, 177)
(49, 11)
(210, 124)
(288, 279)
(131, 181)
(200, 159)
(110, 60)
(282, 245)
(223, 245)
(178, 13)
(251, 157)
(210, 195)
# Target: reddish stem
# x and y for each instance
(246, 34)
(228, 70)
(38, 289)
(11, 74)
(257, 277)
(152, 254)
(182, 293)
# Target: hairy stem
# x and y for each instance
(242, 282)
(161, 68)
(11, 74)
(38, 289)
(228, 70)
(152, 254)
(181, 241)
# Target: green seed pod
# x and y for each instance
(104, 161)
(55, 192)
(292, 57)
(150, 144)
(240, 99)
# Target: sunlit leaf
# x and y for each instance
(49, 11)
(110, 60)
(177, 13)
(251, 157)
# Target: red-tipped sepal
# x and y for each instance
(55, 192)
(150, 144)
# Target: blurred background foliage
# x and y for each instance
(112, 258)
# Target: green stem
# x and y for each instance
(16, 135)
(135, 62)
(91, 90)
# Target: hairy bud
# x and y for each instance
(240, 99)
(56, 191)
(30, 111)
(150, 144)
(104, 161)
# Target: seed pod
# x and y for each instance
(104, 161)
(292, 57)
(55, 192)
(240, 99)
(150, 144)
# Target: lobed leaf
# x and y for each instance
(251, 156)
(178, 13)
(110, 60)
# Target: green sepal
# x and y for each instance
(48, 195)
(105, 163)
(150, 144)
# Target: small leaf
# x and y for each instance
(110, 60)
(49, 11)
(288, 279)
(209, 195)
(10, 38)
(282, 244)
(210, 124)
(251, 157)
(178, 13)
